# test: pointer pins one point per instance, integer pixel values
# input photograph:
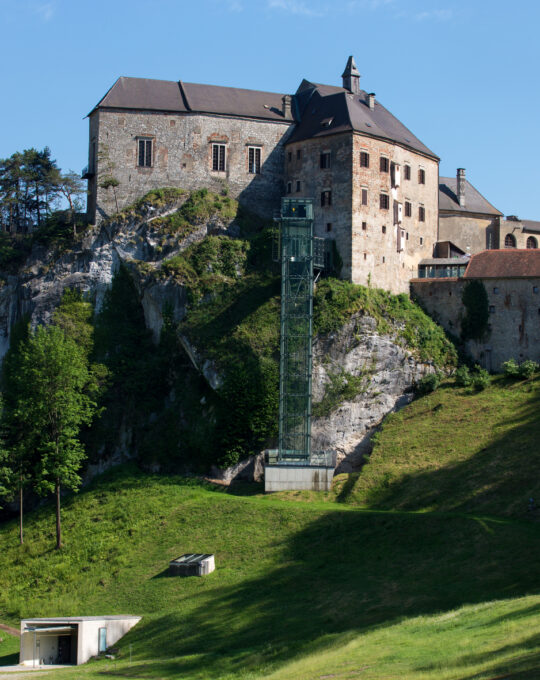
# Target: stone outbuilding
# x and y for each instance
(70, 640)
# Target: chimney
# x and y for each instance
(460, 186)
(287, 105)
(370, 100)
(351, 77)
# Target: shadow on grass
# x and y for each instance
(9, 659)
(343, 574)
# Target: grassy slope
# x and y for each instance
(301, 590)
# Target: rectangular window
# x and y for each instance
(329, 226)
(145, 153)
(298, 154)
(325, 160)
(364, 226)
(408, 209)
(364, 196)
(289, 156)
(421, 176)
(364, 159)
(254, 160)
(326, 198)
(92, 166)
(384, 230)
(421, 213)
(385, 164)
(298, 185)
(421, 241)
(384, 201)
(218, 157)
(289, 187)
(407, 171)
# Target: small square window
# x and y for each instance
(535, 289)
(492, 309)
(384, 229)
(326, 198)
(329, 226)
(421, 176)
(364, 159)
(298, 185)
(325, 160)
(364, 196)
(407, 172)
(384, 164)
(298, 154)
(495, 290)
(421, 214)
(408, 209)
(384, 201)
(364, 226)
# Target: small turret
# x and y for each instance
(351, 77)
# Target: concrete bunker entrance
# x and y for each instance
(55, 645)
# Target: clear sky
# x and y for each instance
(463, 76)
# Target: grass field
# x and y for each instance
(379, 587)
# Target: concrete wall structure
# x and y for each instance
(290, 477)
(471, 232)
(40, 642)
(514, 320)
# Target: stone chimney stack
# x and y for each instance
(287, 105)
(460, 186)
(351, 77)
(370, 100)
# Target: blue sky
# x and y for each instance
(463, 76)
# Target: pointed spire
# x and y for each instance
(351, 77)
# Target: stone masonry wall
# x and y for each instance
(514, 306)
(302, 165)
(375, 255)
(471, 234)
(182, 157)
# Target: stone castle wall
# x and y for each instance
(514, 319)
(182, 157)
(375, 254)
(471, 234)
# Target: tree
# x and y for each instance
(70, 186)
(54, 402)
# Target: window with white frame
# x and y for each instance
(145, 155)
(254, 160)
(219, 152)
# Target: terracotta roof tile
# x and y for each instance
(509, 263)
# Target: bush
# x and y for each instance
(511, 368)
(429, 383)
(527, 368)
(480, 378)
(463, 377)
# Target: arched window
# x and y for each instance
(532, 242)
(509, 241)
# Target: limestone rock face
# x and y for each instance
(388, 372)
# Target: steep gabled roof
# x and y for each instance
(508, 263)
(349, 112)
(474, 201)
(165, 95)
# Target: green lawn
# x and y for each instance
(402, 588)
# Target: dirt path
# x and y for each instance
(10, 630)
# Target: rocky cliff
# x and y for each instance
(363, 369)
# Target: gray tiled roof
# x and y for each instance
(167, 95)
(350, 113)
(531, 225)
(474, 201)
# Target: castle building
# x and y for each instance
(374, 183)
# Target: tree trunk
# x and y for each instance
(58, 526)
(21, 535)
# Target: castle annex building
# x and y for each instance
(374, 183)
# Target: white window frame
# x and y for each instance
(254, 160)
(219, 157)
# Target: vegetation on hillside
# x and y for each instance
(416, 595)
